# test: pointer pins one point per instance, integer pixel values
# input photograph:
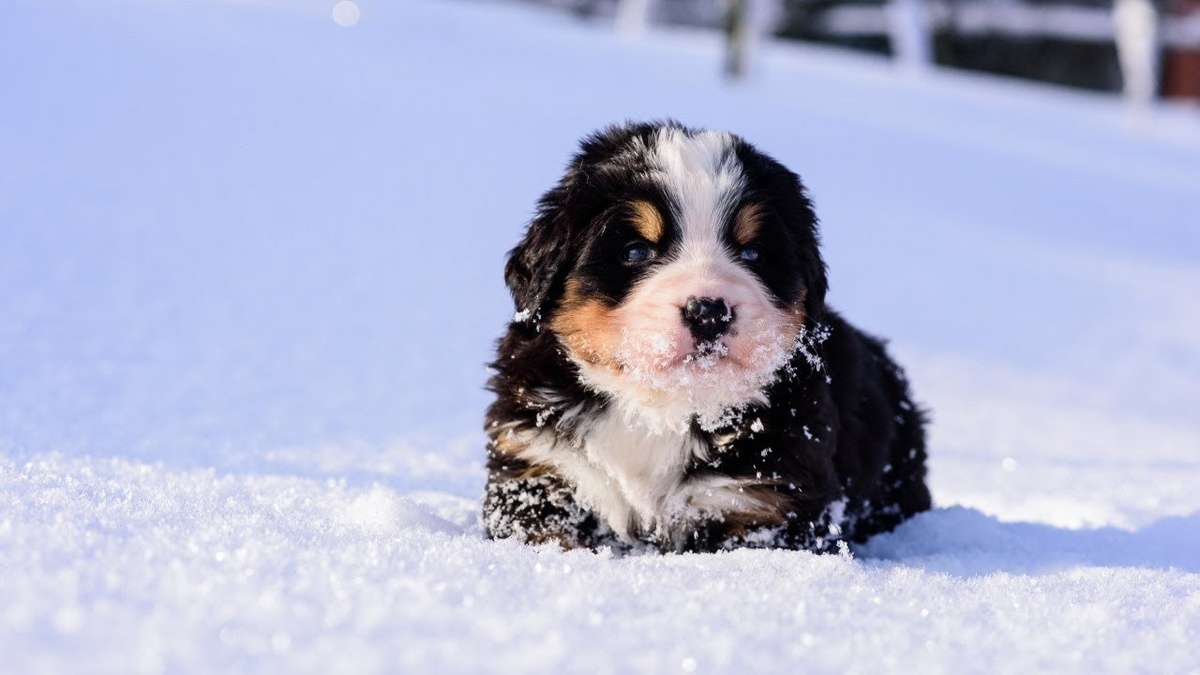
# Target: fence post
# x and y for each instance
(737, 38)
(1137, 37)
(632, 17)
(910, 34)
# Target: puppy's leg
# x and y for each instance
(537, 508)
(903, 491)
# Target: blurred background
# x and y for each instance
(1143, 47)
(269, 234)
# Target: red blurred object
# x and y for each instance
(1181, 66)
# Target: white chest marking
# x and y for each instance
(635, 479)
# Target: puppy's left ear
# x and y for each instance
(803, 222)
(816, 284)
(536, 266)
(790, 200)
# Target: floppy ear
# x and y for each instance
(536, 266)
(803, 225)
(816, 284)
(812, 266)
(791, 202)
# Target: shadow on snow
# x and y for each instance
(966, 542)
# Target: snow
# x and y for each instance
(251, 269)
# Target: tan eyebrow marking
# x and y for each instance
(647, 220)
(748, 223)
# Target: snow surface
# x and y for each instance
(250, 272)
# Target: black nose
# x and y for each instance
(708, 318)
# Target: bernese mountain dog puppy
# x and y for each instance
(673, 380)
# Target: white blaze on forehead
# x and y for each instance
(703, 177)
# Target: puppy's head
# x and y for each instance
(677, 268)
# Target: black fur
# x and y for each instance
(840, 428)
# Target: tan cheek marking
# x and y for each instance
(747, 224)
(647, 221)
(587, 327)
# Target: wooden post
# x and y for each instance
(737, 38)
(1136, 24)
(910, 34)
(632, 17)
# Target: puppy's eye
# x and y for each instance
(749, 253)
(637, 251)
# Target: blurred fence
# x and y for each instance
(1157, 42)
(1141, 33)
(1077, 22)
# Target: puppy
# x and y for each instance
(673, 380)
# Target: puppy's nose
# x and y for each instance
(707, 318)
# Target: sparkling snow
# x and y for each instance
(251, 272)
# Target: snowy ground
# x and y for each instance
(250, 274)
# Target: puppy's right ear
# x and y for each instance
(537, 265)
